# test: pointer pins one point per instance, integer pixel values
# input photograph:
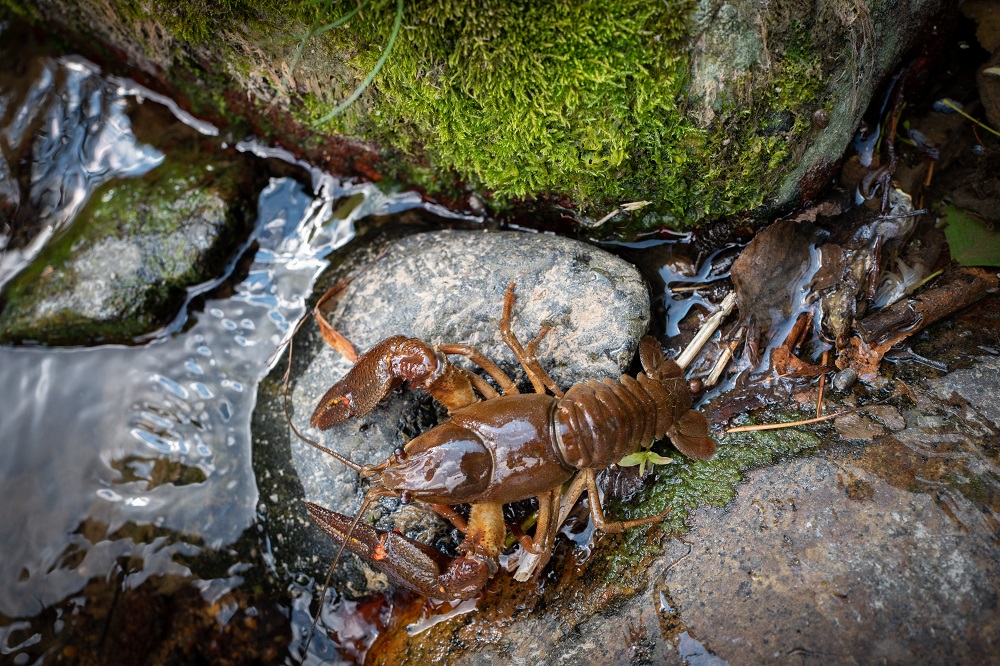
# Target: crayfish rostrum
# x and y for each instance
(499, 449)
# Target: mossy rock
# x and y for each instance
(707, 108)
(124, 268)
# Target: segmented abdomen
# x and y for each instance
(600, 423)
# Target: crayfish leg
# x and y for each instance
(540, 379)
(654, 363)
(597, 511)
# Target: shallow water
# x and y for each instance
(99, 444)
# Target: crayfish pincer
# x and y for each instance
(495, 449)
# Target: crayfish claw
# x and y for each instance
(386, 366)
(379, 370)
(407, 562)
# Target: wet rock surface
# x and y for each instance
(881, 548)
(125, 267)
(433, 286)
(821, 558)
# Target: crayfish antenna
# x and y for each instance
(288, 419)
(369, 496)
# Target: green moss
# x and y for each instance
(753, 143)
(529, 98)
(583, 101)
(578, 99)
(25, 11)
(199, 21)
(687, 484)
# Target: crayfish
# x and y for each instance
(498, 449)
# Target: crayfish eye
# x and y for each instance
(405, 497)
(399, 455)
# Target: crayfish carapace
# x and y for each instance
(498, 449)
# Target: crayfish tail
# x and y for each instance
(690, 436)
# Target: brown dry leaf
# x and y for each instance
(766, 275)
(822, 209)
(787, 364)
(783, 358)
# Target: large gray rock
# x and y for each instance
(448, 287)
(814, 558)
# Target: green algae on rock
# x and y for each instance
(123, 269)
(703, 106)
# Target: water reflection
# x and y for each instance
(80, 137)
(141, 452)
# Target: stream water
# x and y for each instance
(125, 464)
(141, 453)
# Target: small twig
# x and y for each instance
(606, 218)
(682, 557)
(822, 385)
(707, 330)
(954, 107)
(629, 207)
(930, 174)
(720, 366)
(900, 216)
(928, 279)
(790, 424)
(723, 362)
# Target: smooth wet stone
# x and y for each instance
(124, 268)
(444, 287)
(977, 384)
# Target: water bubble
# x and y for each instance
(171, 386)
(109, 495)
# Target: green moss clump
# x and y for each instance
(530, 98)
(753, 142)
(200, 21)
(576, 99)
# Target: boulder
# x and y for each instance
(434, 286)
(133, 255)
